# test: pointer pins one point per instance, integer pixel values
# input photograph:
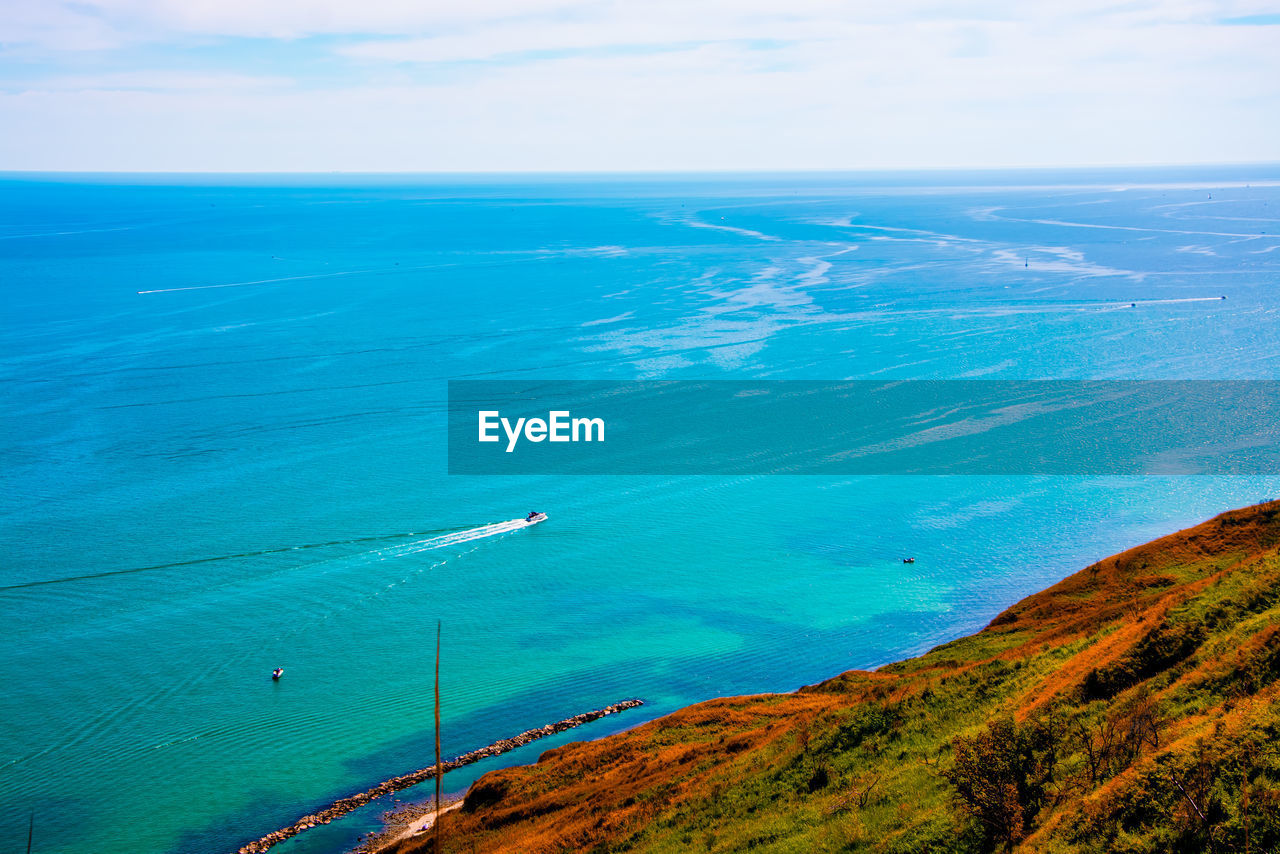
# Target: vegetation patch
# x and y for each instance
(1129, 708)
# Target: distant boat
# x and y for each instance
(535, 517)
(908, 560)
(277, 673)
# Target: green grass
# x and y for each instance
(1131, 708)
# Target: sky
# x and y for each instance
(647, 85)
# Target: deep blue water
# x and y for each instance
(223, 451)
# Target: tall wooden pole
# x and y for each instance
(31, 829)
(1244, 804)
(438, 767)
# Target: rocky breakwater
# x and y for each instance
(342, 806)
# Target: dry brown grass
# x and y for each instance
(611, 792)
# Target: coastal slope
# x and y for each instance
(1130, 707)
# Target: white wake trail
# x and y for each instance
(1179, 299)
(456, 538)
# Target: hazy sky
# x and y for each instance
(425, 85)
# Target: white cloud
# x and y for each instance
(580, 22)
(564, 23)
(291, 19)
(159, 81)
(668, 85)
(53, 25)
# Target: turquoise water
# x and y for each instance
(223, 451)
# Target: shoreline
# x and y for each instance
(905, 757)
(337, 809)
(404, 822)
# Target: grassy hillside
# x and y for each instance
(1128, 708)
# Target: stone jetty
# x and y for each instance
(342, 806)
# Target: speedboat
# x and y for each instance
(534, 517)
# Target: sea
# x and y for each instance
(223, 450)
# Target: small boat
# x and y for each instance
(277, 673)
(908, 560)
(534, 517)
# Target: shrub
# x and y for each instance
(998, 780)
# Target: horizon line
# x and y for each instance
(651, 172)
